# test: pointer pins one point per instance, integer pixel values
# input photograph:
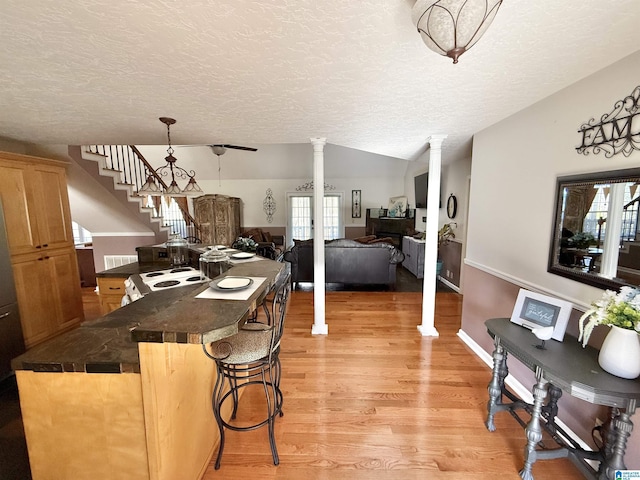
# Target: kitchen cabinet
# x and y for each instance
(48, 292)
(110, 290)
(40, 239)
(413, 255)
(218, 217)
(36, 205)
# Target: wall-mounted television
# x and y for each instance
(421, 182)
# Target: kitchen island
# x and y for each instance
(129, 395)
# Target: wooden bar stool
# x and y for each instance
(251, 357)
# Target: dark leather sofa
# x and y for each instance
(347, 262)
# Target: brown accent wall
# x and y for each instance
(451, 256)
(271, 229)
(354, 232)
(488, 296)
(349, 232)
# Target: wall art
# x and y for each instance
(269, 205)
(616, 132)
(356, 205)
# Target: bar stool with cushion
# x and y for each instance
(251, 357)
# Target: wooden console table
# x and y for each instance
(561, 366)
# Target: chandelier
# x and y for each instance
(150, 187)
(451, 27)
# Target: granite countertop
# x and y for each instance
(109, 344)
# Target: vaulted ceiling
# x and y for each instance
(281, 71)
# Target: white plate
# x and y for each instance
(217, 247)
(231, 283)
(243, 255)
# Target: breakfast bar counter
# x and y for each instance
(129, 395)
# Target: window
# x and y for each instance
(170, 213)
(599, 209)
(300, 218)
(81, 235)
(300, 221)
(332, 217)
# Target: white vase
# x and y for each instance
(620, 353)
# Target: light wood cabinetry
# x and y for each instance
(219, 218)
(36, 205)
(413, 255)
(40, 238)
(111, 290)
(48, 291)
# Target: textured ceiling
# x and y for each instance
(281, 71)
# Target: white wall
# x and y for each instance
(282, 168)
(375, 191)
(514, 170)
(515, 165)
(454, 180)
(93, 207)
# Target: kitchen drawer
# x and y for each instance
(111, 290)
(111, 285)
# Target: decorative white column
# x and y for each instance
(319, 325)
(611, 247)
(427, 327)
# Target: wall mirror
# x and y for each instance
(596, 238)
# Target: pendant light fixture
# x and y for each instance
(451, 27)
(150, 187)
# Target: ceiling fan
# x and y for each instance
(220, 149)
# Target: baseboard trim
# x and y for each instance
(515, 386)
(446, 282)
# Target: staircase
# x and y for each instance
(122, 170)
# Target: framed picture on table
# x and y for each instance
(397, 206)
(356, 203)
(534, 310)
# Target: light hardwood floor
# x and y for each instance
(375, 400)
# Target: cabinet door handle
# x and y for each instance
(38, 246)
(4, 315)
(45, 245)
(46, 258)
(114, 288)
(40, 259)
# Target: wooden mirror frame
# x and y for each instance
(588, 277)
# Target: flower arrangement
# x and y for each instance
(581, 240)
(620, 309)
(245, 244)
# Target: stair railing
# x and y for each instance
(134, 170)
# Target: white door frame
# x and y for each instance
(289, 195)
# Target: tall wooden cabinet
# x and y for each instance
(40, 237)
(218, 217)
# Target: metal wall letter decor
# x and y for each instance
(616, 132)
(269, 205)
